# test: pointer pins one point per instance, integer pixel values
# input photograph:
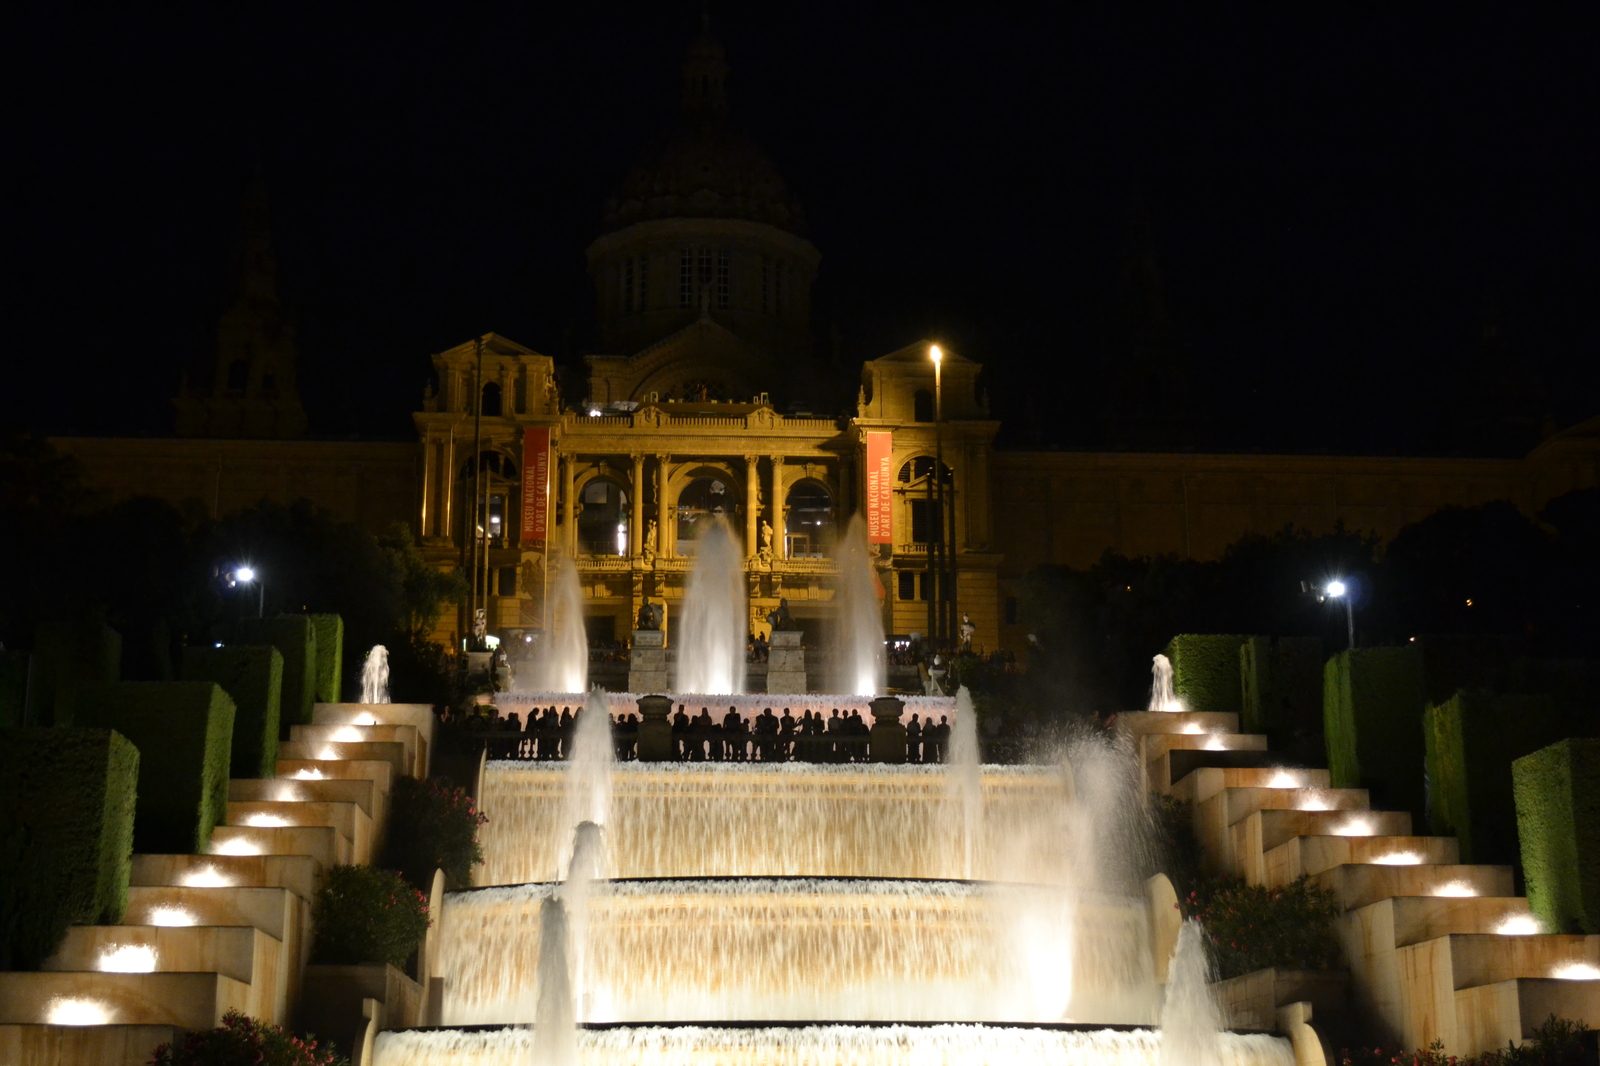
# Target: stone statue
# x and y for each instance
(650, 615)
(967, 631)
(765, 554)
(648, 548)
(480, 626)
(780, 619)
(936, 672)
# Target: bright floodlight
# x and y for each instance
(1335, 589)
(933, 350)
(244, 575)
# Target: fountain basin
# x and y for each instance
(820, 1044)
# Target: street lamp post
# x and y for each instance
(246, 575)
(943, 564)
(1338, 590)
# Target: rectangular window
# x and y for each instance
(507, 581)
(642, 288)
(1011, 610)
(927, 585)
(686, 278)
(925, 523)
(705, 271)
(627, 285)
(908, 585)
(780, 272)
(722, 279)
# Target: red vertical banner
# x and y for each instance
(535, 484)
(880, 488)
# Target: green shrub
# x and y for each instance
(253, 679)
(296, 640)
(1471, 740)
(67, 799)
(1178, 849)
(1372, 720)
(184, 733)
(1205, 671)
(1556, 1042)
(244, 1041)
(330, 656)
(1558, 823)
(432, 827)
(1281, 685)
(365, 914)
(1253, 927)
(65, 657)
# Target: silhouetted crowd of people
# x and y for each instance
(842, 737)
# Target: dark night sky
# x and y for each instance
(1339, 199)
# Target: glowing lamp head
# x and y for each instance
(935, 352)
(244, 575)
(1335, 589)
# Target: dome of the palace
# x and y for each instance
(706, 167)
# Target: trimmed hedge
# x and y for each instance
(296, 639)
(1205, 671)
(1558, 821)
(330, 656)
(1472, 739)
(184, 733)
(1281, 684)
(1372, 700)
(14, 667)
(67, 799)
(253, 679)
(66, 656)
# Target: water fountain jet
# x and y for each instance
(375, 676)
(560, 661)
(715, 625)
(859, 664)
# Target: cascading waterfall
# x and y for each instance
(555, 1029)
(714, 628)
(1162, 698)
(561, 660)
(589, 768)
(966, 778)
(375, 676)
(1191, 1024)
(859, 664)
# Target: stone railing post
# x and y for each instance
(887, 741)
(655, 731)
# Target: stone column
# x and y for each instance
(655, 731)
(569, 527)
(777, 508)
(663, 508)
(636, 519)
(752, 515)
(887, 740)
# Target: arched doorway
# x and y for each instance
(603, 518)
(702, 502)
(808, 528)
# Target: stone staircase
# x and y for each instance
(232, 929)
(1436, 950)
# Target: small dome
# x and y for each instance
(706, 167)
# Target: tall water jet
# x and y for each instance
(966, 781)
(859, 665)
(715, 626)
(375, 676)
(555, 1023)
(561, 660)
(1191, 1024)
(1162, 698)
(589, 766)
(586, 866)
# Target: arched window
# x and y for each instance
(919, 469)
(809, 522)
(496, 514)
(491, 400)
(922, 406)
(603, 518)
(701, 503)
(238, 375)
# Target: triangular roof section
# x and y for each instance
(493, 344)
(917, 352)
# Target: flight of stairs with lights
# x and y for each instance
(231, 929)
(1436, 950)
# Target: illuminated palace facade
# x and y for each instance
(703, 281)
(703, 277)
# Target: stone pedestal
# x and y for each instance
(786, 662)
(647, 662)
(887, 741)
(655, 730)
